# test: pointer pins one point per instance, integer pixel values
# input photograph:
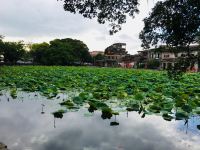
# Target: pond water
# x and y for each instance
(28, 124)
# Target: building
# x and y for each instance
(129, 61)
(114, 54)
(165, 56)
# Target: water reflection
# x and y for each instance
(23, 126)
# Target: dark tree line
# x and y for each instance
(12, 51)
(57, 52)
(61, 52)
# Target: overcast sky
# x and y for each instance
(44, 20)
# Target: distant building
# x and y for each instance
(114, 54)
(166, 56)
(128, 61)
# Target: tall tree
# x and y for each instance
(61, 52)
(113, 11)
(175, 23)
(12, 51)
(1, 44)
(39, 53)
(75, 50)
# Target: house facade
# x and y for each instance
(128, 61)
(114, 54)
(166, 57)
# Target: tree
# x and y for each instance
(175, 23)
(99, 57)
(39, 53)
(153, 64)
(1, 37)
(113, 11)
(12, 51)
(73, 50)
(1, 45)
(61, 52)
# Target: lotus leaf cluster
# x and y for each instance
(107, 89)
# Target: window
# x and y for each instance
(157, 55)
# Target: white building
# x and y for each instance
(168, 57)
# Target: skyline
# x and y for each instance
(35, 21)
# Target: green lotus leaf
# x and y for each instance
(167, 117)
(139, 96)
(181, 115)
(59, 114)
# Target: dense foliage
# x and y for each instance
(153, 64)
(12, 51)
(175, 23)
(114, 12)
(108, 89)
(60, 52)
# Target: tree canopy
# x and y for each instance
(173, 22)
(12, 51)
(113, 11)
(1, 37)
(39, 52)
(60, 52)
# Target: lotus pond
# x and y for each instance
(98, 109)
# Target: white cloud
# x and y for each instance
(37, 21)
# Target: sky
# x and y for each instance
(35, 21)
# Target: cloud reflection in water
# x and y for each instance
(22, 125)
